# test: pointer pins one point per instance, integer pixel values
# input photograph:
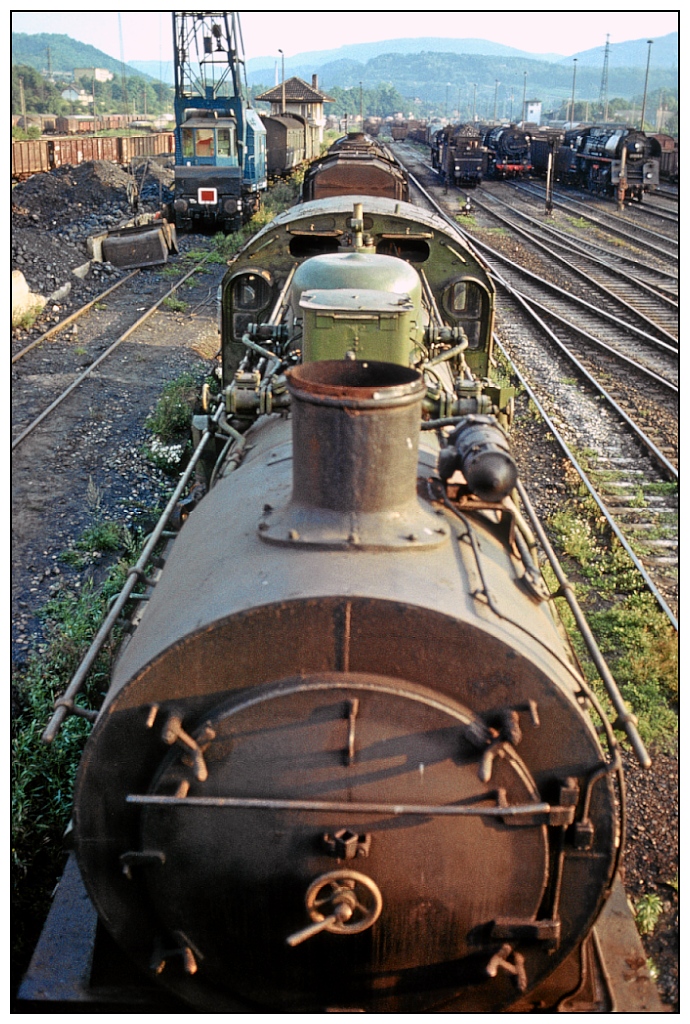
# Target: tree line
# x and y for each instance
(34, 93)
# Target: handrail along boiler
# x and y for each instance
(346, 762)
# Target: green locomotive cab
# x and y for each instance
(362, 278)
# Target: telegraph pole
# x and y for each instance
(604, 88)
(282, 75)
(646, 79)
(572, 104)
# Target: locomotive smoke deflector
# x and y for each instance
(355, 431)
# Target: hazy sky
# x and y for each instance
(147, 35)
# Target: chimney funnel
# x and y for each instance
(355, 431)
(315, 82)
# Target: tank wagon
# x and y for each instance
(607, 159)
(457, 153)
(346, 761)
(508, 151)
(356, 165)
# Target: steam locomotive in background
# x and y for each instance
(602, 159)
(509, 153)
(458, 155)
(465, 154)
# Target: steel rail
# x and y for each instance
(82, 376)
(641, 436)
(625, 721)
(575, 300)
(565, 241)
(74, 316)
(615, 227)
(644, 370)
(585, 480)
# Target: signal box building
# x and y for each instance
(299, 98)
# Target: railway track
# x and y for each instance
(650, 242)
(79, 360)
(621, 293)
(664, 203)
(659, 276)
(79, 405)
(619, 432)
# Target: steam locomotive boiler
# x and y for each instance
(346, 762)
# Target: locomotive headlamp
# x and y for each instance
(479, 448)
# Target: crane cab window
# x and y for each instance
(226, 142)
(187, 142)
(204, 144)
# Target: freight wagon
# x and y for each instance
(41, 155)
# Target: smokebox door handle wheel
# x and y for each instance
(354, 901)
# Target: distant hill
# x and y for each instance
(624, 55)
(444, 72)
(364, 52)
(633, 54)
(466, 82)
(434, 70)
(66, 54)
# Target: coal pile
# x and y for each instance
(54, 214)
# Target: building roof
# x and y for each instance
(296, 90)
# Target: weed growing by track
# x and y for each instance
(25, 319)
(635, 637)
(43, 775)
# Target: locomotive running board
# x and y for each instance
(76, 966)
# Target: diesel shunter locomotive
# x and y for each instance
(347, 761)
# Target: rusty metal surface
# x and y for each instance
(59, 978)
(136, 247)
(331, 683)
(355, 432)
(623, 959)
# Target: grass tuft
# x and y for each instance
(648, 910)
